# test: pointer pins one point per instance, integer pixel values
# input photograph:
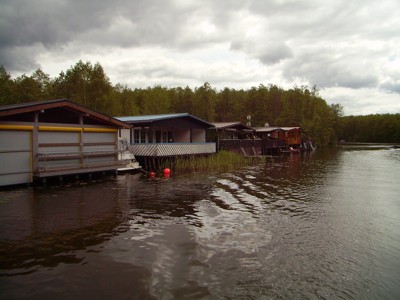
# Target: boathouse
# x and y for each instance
(155, 138)
(55, 138)
(232, 130)
(278, 139)
(235, 137)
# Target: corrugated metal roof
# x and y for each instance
(289, 128)
(269, 129)
(266, 129)
(235, 125)
(152, 117)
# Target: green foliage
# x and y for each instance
(6, 87)
(87, 83)
(222, 161)
(204, 101)
(377, 128)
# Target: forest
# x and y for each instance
(88, 84)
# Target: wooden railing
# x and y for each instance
(172, 149)
(70, 162)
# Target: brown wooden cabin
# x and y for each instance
(55, 138)
(235, 137)
(291, 135)
(156, 140)
(278, 139)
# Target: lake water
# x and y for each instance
(314, 225)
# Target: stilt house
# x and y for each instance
(55, 138)
(166, 136)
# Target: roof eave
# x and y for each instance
(63, 103)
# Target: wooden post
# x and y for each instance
(35, 143)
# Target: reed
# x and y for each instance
(222, 161)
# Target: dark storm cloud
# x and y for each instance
(56, 23)
(347, 44)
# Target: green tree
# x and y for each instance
(86, 84)
(204, 102)
(156, 101)
(27, 89)
(44, 82)
(181, 100)
(125, 98)
(6, 87)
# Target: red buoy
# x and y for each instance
(167, 173)
(151, 174)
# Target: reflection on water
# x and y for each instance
(315, 225)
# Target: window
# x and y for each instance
(170, 137)
(139, 136)
(136, 136)
(158, 136)
(142, 136)
(165, 137)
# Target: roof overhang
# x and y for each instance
(9, 110)
(232, 126)
(148, 120)
(271, 129)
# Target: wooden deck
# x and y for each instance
(253, 147)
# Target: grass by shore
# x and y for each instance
(219, 162)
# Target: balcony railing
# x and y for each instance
(63, 163)
(172, 149)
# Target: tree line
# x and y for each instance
(88, 84)
(383, 128)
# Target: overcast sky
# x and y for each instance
(349, 49)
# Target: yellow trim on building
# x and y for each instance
(57, 128)
(16, 127)
(54, 128)
(100, 130)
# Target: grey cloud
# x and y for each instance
(268, 53)
(275, 53)
(303, 39)
(122, 23)
(391, 86)
(328, 68)
(19, 59)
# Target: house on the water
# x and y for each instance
(291, 135)
(256, 141)
(235, 137)
(155, 139)
(55, 138)
(279, 139)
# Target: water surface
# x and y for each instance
(316, 225)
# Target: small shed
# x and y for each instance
(55, 138)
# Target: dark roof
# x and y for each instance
(147, 119)
(231, 125)
(270, 129)
(14, 109)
